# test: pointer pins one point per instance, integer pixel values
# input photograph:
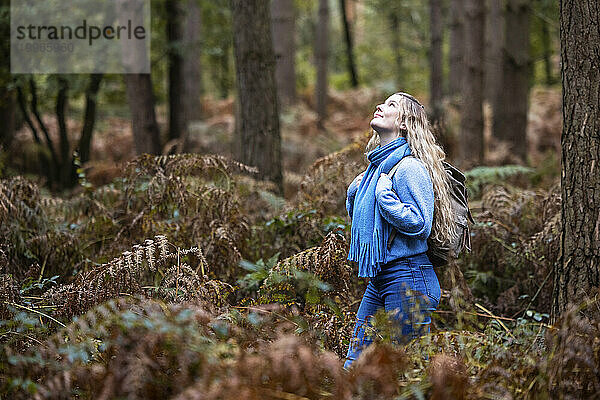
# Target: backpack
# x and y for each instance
(437, 253)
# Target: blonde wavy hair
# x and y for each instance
(423, 146)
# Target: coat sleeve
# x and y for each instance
(409, 209)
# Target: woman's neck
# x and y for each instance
(385, 138)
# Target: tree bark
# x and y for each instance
(457, 48)
(349, 45)
(546, 50)
(494, 33)
(284, 29)
(8, 109)
(89, 119)
(191, 62)
(8, 105)
(578, 271)
(396, 27)
(65, 166)
(138, 88)
(436, 77)
(54, 166)
(258, 137)
(510, 110)
(321, 56)
(177, 123)
(45, 164)
(146, 135)
(472, 109)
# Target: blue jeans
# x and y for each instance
(388, 290)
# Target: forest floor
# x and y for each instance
(183, 277)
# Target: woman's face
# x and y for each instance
(385, 115)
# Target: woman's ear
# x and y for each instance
(402, 126)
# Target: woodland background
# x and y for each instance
(183, 234)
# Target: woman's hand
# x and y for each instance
(354, 184)
(351, 192)
(383, 183)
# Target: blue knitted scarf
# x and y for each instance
(369, 234)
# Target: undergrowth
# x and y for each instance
(185, 279)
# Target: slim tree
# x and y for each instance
(67, 176)
(457, 48)
(89, 117)
(146, 135)
(472, 105)
(138, 87)
(349, 45)
(284, 28)
(321, 56)
(191, 61)
(258, 138)
(59, 167)
(395, 19)
(175, 14)
(494, 46)
(435, 59)
(546, 7)
(579, 268)
(8, 103)
(510, 108)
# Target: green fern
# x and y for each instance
(479, 177)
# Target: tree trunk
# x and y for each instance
(472, 105)
(546, 50)
(494, 34)
(349, 45)
(283, 29)
(177, 123)
(225, 82)
(457, 48)
(510, 111)
(146, 135)
(395, 26)
(45, 165)
(8, 105)
(138, 88)
(66, 174)
(8, 109)
(55, 162)
(321, 56)
(191, 62)
(89, 118)
(259, 141)
(578, 271)
(436, 77)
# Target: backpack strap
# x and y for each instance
(395, 167)
(390, 175)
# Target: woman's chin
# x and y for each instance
(374, 124)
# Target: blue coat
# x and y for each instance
(406, 202)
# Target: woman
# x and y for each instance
(416, 203)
